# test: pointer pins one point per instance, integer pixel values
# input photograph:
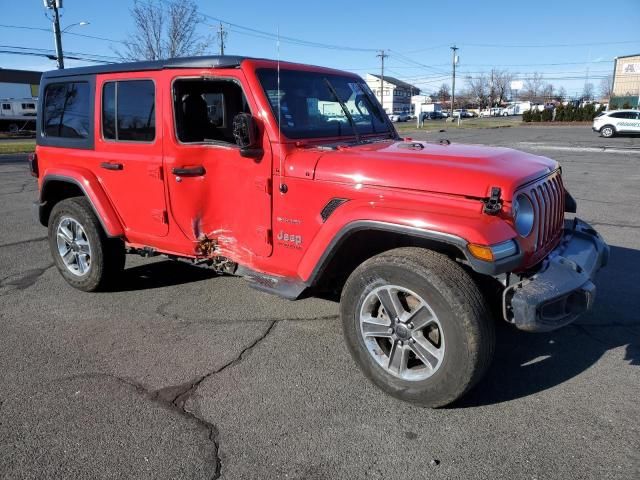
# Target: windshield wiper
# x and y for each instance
(344, 109)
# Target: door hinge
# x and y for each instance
(264, 185)
(493, 204)
(264, 234)
(156, 172)
(160, 216)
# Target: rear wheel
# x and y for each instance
(607, 131)
(417, 326)
(87, 259)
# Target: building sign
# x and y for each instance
(631, 68)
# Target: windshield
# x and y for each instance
(309, 109)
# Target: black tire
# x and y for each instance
(107, 257)
(461, 310)
(608, 131)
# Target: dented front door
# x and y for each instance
(219, 199)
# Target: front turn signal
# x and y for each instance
(481, 252)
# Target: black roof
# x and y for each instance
(19, 76)
(396, 82)
(214, 61)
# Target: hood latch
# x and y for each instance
(493, 204)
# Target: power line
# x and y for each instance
(50, 56)
(45, 50)
(23, 27)
(282, 38)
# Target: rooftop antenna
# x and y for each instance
(283, 188)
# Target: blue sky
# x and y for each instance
(550, 37)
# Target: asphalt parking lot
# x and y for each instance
(182, 374)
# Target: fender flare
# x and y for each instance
(479, 266)
(88, 183)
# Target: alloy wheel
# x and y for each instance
(402, 333)
(73, 246)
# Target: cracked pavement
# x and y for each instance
(183, 374)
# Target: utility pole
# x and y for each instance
(382, 56)
(453, 80)
(57, 36)
(221, 37)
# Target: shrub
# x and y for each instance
(526, 116)
(546, 115)
(626, 105)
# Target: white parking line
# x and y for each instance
(602, 149)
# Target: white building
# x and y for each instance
(397, 94)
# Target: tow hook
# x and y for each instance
(493, 204)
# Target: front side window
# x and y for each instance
(128, 111)
(66, 110)
(308, 108)
(204, 109)
(6, 106)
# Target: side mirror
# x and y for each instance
(245, 132)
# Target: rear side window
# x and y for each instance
(128, 111)
(623, 115)
(66, 110)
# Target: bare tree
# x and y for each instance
(478, 90)
(500, 84)
(587, 91)
(606, 85)
(444, 95)
(547, 92)
(561, 95)
(533, 87)
(164, 31)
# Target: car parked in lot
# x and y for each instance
(462, 113)
(239, 165)
(432, 115)
(614, 122)
(490, 112)
(399, 117)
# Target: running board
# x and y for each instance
(281, 286)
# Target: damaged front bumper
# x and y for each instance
(563, 288)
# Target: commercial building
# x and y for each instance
(397, 94)
(626, 82)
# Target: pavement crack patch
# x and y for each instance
(156, 397)
(13, 244)
(178, 395)
(24, 280)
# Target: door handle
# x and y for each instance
(189, 171)
(112, 166)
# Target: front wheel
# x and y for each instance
(607, 131)
(417, 325)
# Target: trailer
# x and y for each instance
(18, 114)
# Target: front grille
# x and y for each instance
(547, 196)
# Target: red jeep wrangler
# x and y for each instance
(293, 177)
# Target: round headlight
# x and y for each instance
(523, 215)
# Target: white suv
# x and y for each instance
(617, 121)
